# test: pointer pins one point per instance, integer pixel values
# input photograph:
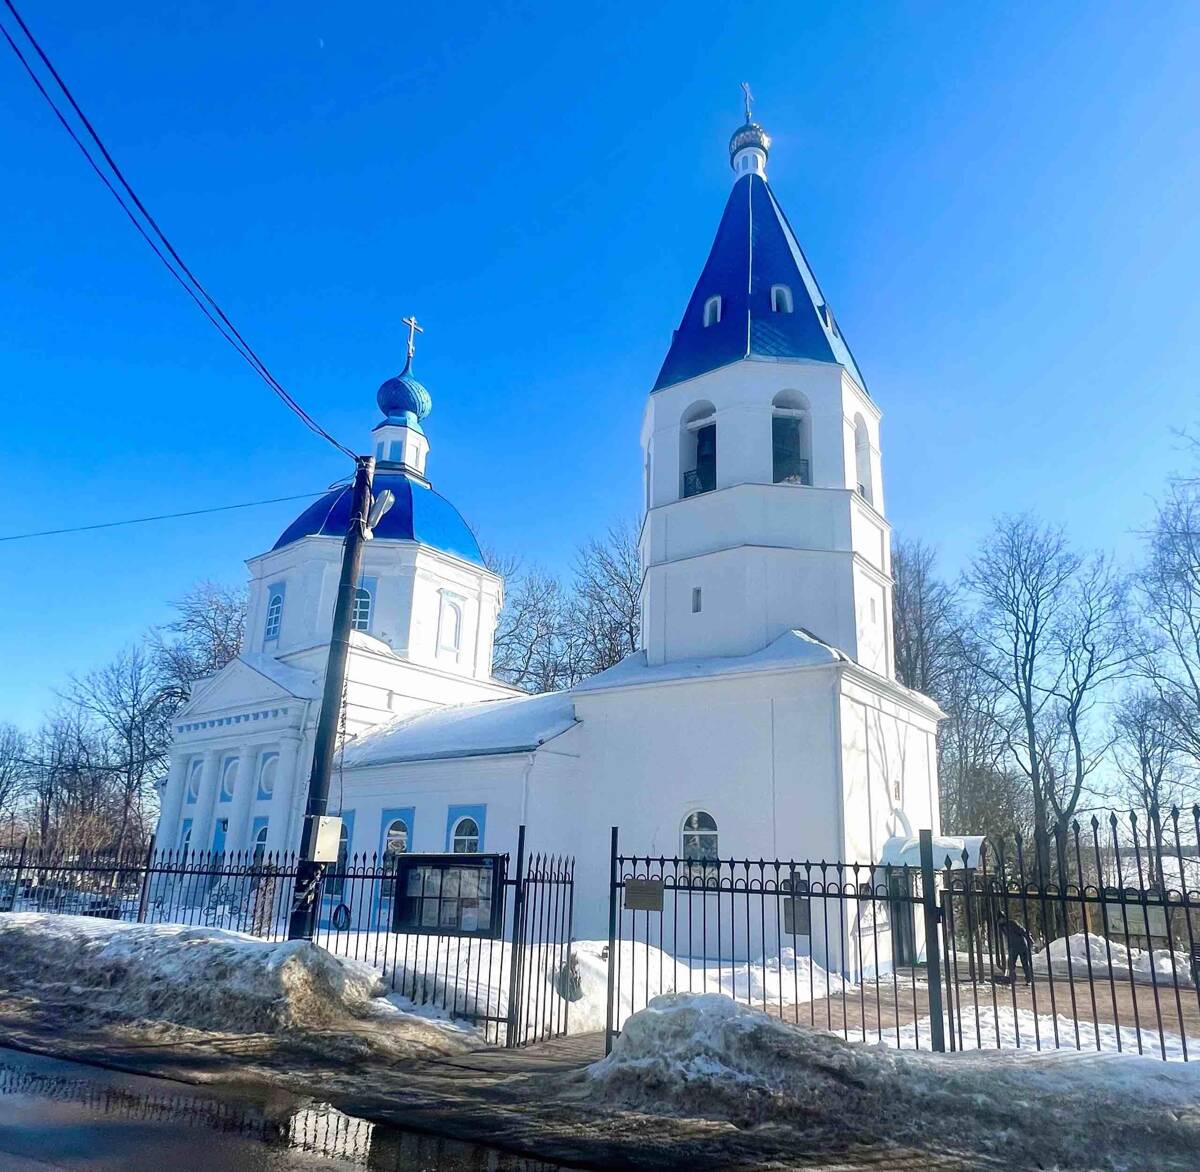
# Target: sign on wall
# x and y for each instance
(449, 895)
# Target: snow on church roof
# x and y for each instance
(517, 725)
(798, 648)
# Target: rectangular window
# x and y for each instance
(695, 600)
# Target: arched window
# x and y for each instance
(186, 841)
(862, 460)
(274, 614)
(267, 772)
(465, 840)
(699, 839)
(229, 775)
(450, 624)
(395, 844)
(712, 311)
(791, 450)
(781, 299)
(698, 449)
(195, 770)
(260, 845)
(360, 616)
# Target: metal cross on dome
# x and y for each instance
(413, 331)
(748, 96)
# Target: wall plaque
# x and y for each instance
(797, 917)
(643, 895)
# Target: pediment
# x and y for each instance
(241, 685)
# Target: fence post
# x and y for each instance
(933, 960)
(12, 903)
(144, 893)
(518, 946)
(613, 878)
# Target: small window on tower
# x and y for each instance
(360, 618)
(712, 311)
(781, 299)
(897, 791)
(695, 600)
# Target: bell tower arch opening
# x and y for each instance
(698, 449)
(791, 439)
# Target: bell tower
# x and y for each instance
(763, 492)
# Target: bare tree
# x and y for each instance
(1020, 581)
(925, 619)
(605, 616)
(207, 635)
(1169, 593)
(131, 705)
(528, 652)
(1150, 762)
(14, 776)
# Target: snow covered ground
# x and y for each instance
(161, 976)
(706, 1056)
(1108, 955)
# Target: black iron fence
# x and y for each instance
(1086, 939)
(470, 935)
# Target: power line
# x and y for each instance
(161, 517)
(195, 289)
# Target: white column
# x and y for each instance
(166, 837)
(243, 798)
(202, 827)
(279, 820)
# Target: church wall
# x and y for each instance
(753, 752)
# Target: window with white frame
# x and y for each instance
(781, 299)
(699, 838)
(360, 616)
(229, 773)
(274, 615)
(195, 770)
(450, 622)
(712, 311)
(267, 772)
(260, 844)
(465, 839)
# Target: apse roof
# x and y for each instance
(755, 249)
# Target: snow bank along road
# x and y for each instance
(708, 1057)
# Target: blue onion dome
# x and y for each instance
(748, 135)
(417, 514)
(403, 400)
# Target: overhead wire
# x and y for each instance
(160, 517)
(196, 290)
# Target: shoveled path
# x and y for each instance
(533, 1101)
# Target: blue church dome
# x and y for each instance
(418, 514)
(403, 399)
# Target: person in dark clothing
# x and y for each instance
(1018, 944)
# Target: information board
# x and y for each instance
(449, 895)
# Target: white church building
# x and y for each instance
(761, 717)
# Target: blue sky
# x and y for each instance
(999, 202)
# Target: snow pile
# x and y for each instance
(707, 1057)
(1085, 947)
(201, 978)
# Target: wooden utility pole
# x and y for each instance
(310, 871)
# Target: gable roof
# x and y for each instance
(483, 729)
(755, 248)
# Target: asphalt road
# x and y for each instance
(56, 1114)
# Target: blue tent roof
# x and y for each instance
(419, 514)
(755, 248)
